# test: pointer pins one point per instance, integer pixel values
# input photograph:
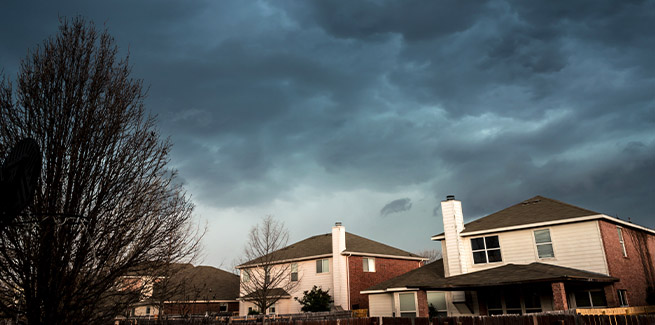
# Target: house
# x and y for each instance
(538, 255)
(341, 262)
(203, 290)
(184, 290)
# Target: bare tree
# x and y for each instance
(431, 254)
(106, 203)
(266, 278)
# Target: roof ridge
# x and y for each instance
(567, 204)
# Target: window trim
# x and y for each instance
(401, 311)
(536, 244)
(486, 250)
(619, 231)
(367, 262)
(245, 276)
(325, 266)
(623, 297)
(294, 272)
(591, 299)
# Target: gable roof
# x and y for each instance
(321, 245)
(538, 209)
(509, 274)
(204, 283)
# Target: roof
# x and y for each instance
(203, 283)
(534, 210)
(322, 245)
(509, 274)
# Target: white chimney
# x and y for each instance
(339, 266)
(455, 255)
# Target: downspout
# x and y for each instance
(348, 277)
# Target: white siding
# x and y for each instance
(307, 278)
(380, 305)
(576, 245)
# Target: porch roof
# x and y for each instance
(510, 274)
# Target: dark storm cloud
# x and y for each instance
(396, 206)
(494, 102)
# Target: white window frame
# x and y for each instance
(245, 275)
(368, 264)
(486, 250)
(294, 270)
(619, 230)
(325, 266)
(534, 235)
(400, 311)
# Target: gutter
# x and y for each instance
(549, 223)
(386, 256)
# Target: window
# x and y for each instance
(486, 250)
(322, 266)
(590, 299)
(223, 307)
(271, 310)
(620, 231)
(407, 304)
(544, 243)
(148, 310)
(245, 275)
(369, 264)
(623, 297)
(517, 302)
(437, 304)
(294, 272)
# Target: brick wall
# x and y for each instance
(628, 269)
(385, 269)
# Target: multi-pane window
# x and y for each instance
(590, 299)
(323, 266)
(621, 241)
(623, 297)
(369, 264)
(513, 302)
(294, 272)
(544, 243)
(407, 304)
(486, 250)
(245, 274)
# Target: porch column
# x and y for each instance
(422, 297)
(559, 296)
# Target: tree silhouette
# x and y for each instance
(106, 205)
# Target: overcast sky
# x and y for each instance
(371, 112)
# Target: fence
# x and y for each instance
(608, 316)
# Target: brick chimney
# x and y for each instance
(339, 266)
(453, 249)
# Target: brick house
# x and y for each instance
(341, 262)
(538, 255)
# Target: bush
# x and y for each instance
(315, 300)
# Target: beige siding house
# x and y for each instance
(332, 262)
(538, 255)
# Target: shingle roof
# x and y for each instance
(509, 274)
(322, 245)
(534, 210)
(205, 283)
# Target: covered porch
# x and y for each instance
(530, 288)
